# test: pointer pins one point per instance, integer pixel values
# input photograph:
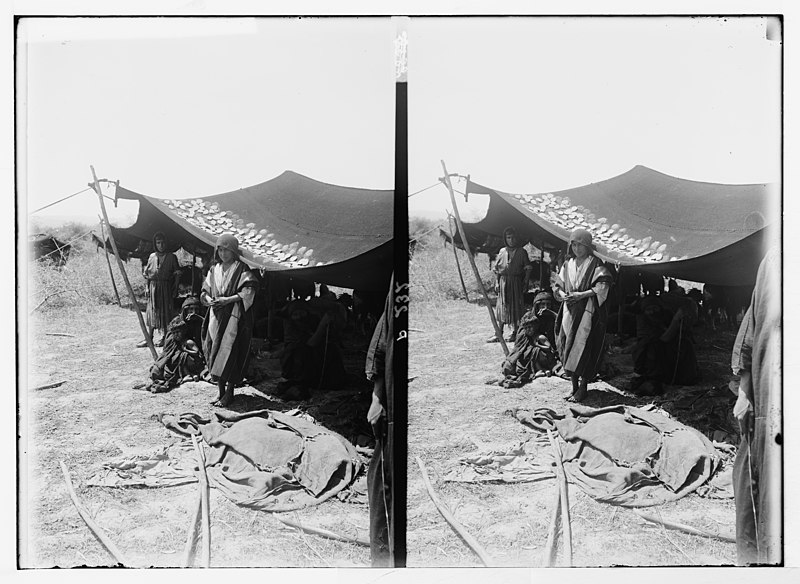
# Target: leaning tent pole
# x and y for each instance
(541, 266)
(455, 253)
(108, 261)
(96, 186)
(497, 330)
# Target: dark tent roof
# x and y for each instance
(698, 231)
(293, 224)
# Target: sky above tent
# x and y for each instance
(192, 107)
(531, 105)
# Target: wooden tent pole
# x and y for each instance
(497, 330)
(108, 262)
(541, 266)
(564, 496)
(194, 266)
(96, 186)
(455, 254)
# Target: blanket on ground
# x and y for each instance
(273, 461)
(167, 466)
(518, 463)
(628, 456)
(263, 459)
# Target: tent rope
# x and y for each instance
(417, 237)
(64, 199)
(59, 201)
(437, 183)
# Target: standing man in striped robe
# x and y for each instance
(229, 290)
(582, 285)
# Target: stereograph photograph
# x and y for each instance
(218, 295)
(201, 385)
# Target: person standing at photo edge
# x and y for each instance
(229, 290)
(757, 477)
(379, 370)
(582, 286)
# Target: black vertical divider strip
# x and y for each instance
(400, 300)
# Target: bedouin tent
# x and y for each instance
(650, 221)
(292, 224)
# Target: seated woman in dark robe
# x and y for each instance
(182, 358)
(534, 354)
(312, 357)
(664, 350)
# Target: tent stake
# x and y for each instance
(108, 262)
(323, 532)
(497, 330)
(684, 528)
(455, 254)
(96, 186)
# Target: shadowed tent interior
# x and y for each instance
(306, 229)
(479, 241)
(697, 231)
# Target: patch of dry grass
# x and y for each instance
(433, 274)
(83, 281)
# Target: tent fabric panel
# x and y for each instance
(322, 230)
(663, 211)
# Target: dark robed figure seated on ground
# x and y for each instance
(534, 350)
(182, 357)
(664, 351)
(312, 355)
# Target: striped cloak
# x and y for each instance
(581, 327)
(227, 330)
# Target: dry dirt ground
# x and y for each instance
(452, 408)
(96, 416)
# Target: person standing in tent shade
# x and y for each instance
(582, 285)
(162, 274)
(513, 268)
(757, 360)
(229, 290)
